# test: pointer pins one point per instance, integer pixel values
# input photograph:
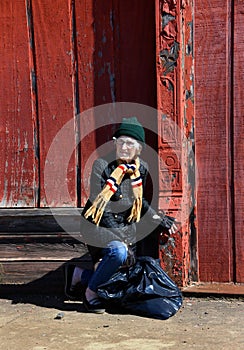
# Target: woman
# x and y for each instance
(115, 206)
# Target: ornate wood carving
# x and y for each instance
(175, 105)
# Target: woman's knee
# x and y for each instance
(118, 251)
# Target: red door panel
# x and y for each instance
(238, 139)
(55, 83)
(18, 168)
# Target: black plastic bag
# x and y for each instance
(144, 289)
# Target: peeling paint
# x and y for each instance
(166, 18)
(111, 82)
(111, 19)
(175, 96)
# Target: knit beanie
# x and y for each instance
(131, 127)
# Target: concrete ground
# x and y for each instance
(31, 323)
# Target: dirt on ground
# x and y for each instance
(51, 323)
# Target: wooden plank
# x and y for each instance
(55, 76)
(136, 70)
(40, 277)
(96, 31)
(238, 138)
(37, 212)
(40, 251)
(38, 267)
(219, 289)
(40, 220)
(104, 59)
(25, 272)
(85, 45)
(212, 134)
(18, 176)
(38, 237)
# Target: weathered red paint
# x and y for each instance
(54, 74)
(174, 72)
(213, 140)
(18, 176)
(96, 72)
(238, 139)
(60, 59)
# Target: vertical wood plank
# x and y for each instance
(212, 91)
(238, 137)
(135, 55)
(96, 72)
(85, 41)
(85, 44)
(18, 176)
(55, 83)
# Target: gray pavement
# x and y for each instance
(30, 323)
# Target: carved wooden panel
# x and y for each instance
(175, 105)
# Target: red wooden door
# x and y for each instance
(219, 51)
(59, 59)
(36, 99)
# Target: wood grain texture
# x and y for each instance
(135, 44)
(40, 277)
(175, 118)
(33, 244)
(61, 58)
(238, 138)
(212, 101)
(40, 251)
(17, 144)
(54, 72)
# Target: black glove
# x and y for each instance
(167, 222)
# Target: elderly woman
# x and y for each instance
(115, 206)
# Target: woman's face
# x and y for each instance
(127, 148)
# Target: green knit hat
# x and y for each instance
(131, 127)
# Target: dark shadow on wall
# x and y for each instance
(125, 71)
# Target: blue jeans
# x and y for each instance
(114, 255)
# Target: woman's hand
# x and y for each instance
(167, 222)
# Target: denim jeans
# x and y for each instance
(114, 255)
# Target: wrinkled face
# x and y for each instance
(127, 148)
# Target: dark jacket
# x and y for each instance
(114, 225)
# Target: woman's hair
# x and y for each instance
(138, 148)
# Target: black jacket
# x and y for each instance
(114, 225)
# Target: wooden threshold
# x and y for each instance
(218, 289)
